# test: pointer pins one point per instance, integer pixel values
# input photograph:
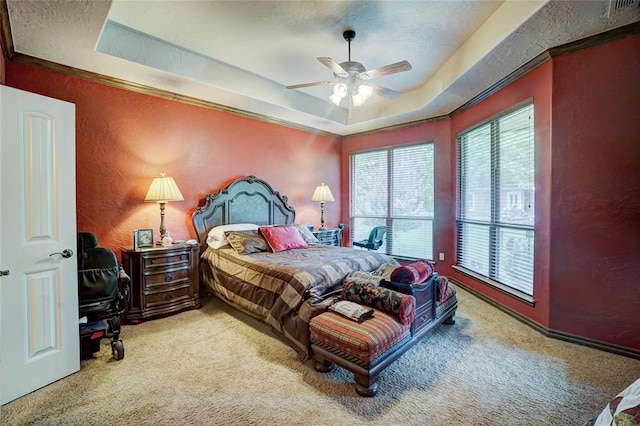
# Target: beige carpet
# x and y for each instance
(216, 366)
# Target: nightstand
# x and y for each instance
(164, 281)
(329, 237)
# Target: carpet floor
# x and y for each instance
(216, 366)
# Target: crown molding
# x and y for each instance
(6, 43)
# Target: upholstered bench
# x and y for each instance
(366, 348)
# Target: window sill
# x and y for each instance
(500, 287)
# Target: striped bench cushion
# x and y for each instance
(362, 342)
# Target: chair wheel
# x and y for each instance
(117, 349)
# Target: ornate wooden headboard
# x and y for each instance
(246, 200)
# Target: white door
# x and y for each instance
(39, 341)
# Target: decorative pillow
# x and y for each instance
(216, 237)
(413, 273)
(351, 310)
(403, 305)
(246, 242)
(281, 238)
(363, 278)
(385, 270)
(307, 236)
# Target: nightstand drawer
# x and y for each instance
(159, 260)
(158, 279)
(157, 299)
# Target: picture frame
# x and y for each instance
(142, 238)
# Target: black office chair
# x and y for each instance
(375, 239)
(103, 289)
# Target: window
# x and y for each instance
(495, 222)
(394, 188)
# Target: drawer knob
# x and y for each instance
(168, 278)
(423, 319)
(183, 257)
(169, 297)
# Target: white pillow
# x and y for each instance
(216, 237)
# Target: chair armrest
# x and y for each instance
(123, 276)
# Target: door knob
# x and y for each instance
(64, 253)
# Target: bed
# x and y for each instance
(285, 289)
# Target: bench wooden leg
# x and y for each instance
(366, 385)
(322, 365)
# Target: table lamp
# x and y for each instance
(322, 194)
(162, 190)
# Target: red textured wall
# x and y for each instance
(124, 139)
(537, 85)
(587, 179)
(595, 249)
(587, 259)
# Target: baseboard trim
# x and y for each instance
(548, 332)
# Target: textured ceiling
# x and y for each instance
(242, 54)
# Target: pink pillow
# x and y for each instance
(281, 238)
(412, 273)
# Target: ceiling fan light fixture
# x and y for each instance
(335, 99)
(357, 99)
(340, 90)
(352, 73)
(365, 91)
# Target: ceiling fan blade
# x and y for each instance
(386, 70)
(334, 66)
(300, 86)
(392, 94)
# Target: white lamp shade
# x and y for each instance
(322, 194)
(163, 189)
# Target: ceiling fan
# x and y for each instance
(354, 79)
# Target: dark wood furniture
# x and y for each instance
(164, 281)
(329, 237)
(287, 306)
(246, 200)
(426, 319)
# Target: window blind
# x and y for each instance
(395, 188)
(495, 199)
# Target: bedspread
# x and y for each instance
(285, 289)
